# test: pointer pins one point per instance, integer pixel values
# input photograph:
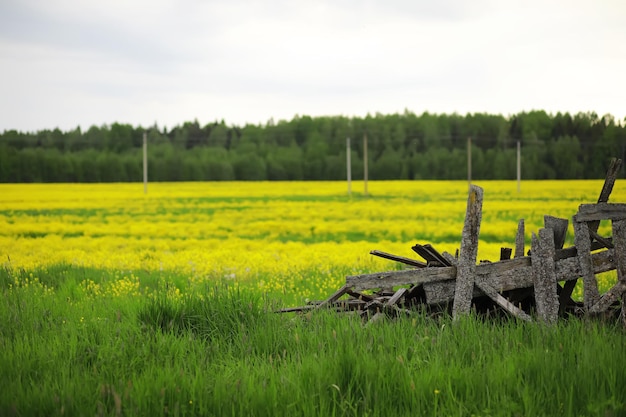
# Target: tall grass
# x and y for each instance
(221, 351)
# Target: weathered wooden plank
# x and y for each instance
(396, 296)
(583, 247)
(491, 292)
(395, 278)
(519, 240)
(608, 298)
(544, 275)
(517, 273)
(505, 253)
(607, 188)
(559, 227)
(605, 242)
(451, 259)
(431, 255)
(467, 256)
(619, 240)
(600, 211)
(397, 258)
(341, 291)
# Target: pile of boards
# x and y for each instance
(537, 284)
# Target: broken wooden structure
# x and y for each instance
(536, 284)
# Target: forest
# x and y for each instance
(399, 146)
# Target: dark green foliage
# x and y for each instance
(401, 146)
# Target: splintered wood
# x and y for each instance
(537, 285)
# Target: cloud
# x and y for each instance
(67, 62)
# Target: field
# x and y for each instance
(120, 303)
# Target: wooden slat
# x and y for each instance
(397, 258)
(600, 211)
(544, 275)
(341, 291)
(491, 292)
(396, 278)
(467, 257)
(619, 240)
(607, 188)
(608, 298)
(605, 242)
(515, 274)
(559, 228)
(430, 254)
(583, 246)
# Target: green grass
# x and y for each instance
(216, 350)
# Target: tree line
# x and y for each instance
(399, 146)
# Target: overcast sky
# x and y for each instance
(68, 63)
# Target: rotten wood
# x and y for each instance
(515, 274)
(619, 240)
(600, 211)
(544, 275)
(340, 292)
(583, 247)
(431, 255)
(559, 228)
(605, 242)
(401, 259)
(505, 253)
(609, 298)
(491, 292)
(467, 256)
(607, 188)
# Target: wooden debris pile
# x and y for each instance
(536, 284)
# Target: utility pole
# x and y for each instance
(348, 166)
(469, 162)
(519, 167)
(365, 175)
(145, 163)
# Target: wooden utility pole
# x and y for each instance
(365, 164)
(519, 166)
(145, 163)
(469, 162)
(348, 166)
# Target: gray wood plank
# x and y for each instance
(583, 247)
(544, 275)
(491, 292)
(600, 211)
(467, 255)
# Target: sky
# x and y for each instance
(70, 63)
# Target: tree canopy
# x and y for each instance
(400, 146)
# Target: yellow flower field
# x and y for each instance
(272, 235)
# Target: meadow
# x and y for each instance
(117, 302)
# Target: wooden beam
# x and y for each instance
(544, 275)
(600, 211)
(491, 292)
(341, 291)
(607, 188)
(559, 227)
(583, 247)
(619, 240)
(516, 274)
(401, 259)
(467, 256)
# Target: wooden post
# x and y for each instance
(544, 275)
(583, 247)
(348, 166)
(467, 256)
(145, 163)
(365, 169)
